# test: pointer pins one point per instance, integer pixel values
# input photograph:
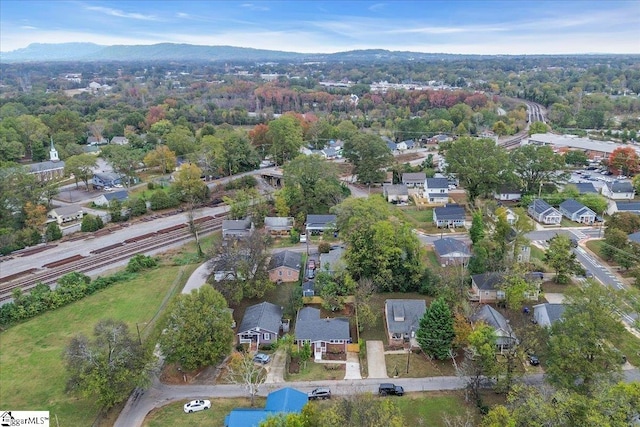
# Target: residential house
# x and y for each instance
(586, 188)
(449, 216)
(329, 153)
(505, 337)
(634, 237)
(283, 401)
(436, 190)
(485, 287)
(317, 224)
(439, 139)
(615, 206)
(285, 266)
(392, 146)
(278, 226)
(410, 144)
(517, 249)
(401, 146)
(332, 262)
(260, 325)
(547, 314)
(330, 334)
(577, 212)
(68, 213)
(396, 193)
(542, 212)
(120, 140)
(106, 198)
(451, 251)
(402, 318)
(237, 228)
(507, 193)
(509, 215)
(618, 190)
(102, 180)
(50, 169)
(414, 179)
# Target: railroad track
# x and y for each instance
(106, 256)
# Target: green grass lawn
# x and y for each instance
(419, 366)
(32, 372)
(419, 218)
(173, 414)
(318, 371)
(376, 330)
(596, 246)
(630, 347)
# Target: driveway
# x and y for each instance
(375, 360)
(554, 298)
(276, 370)
(352, 371)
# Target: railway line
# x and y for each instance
(105, 256)
(535, 113)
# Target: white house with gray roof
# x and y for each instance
(106, 198)
(618, 190)
(402, 318)
(414, 179)
(67, 213)
(237, 228)
(317, 224)
(324, 334)
(396, 193)
(620, 206)
(279, 225)
(260, 325)
(577, 212)
(436, 190)
(544, 213)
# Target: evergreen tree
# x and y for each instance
(436, 333)
(53, 232)
(477, 228)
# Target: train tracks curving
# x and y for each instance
(106, 256)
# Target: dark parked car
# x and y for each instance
(320, 393)
(533, 360)
(388, 388)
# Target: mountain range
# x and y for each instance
(90, 52)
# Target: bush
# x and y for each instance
(53, 232)
(323, 247)
(294, 237)
(247, 181)
(91, 223)
(150, 186)
(141, 262)
(138, 207)
(159, 200)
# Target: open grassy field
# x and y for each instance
(417, 365)
(173, 414)
(32, 372)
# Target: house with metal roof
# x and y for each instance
(547, 314)
(450, 251)
(260, 324)
(284, 266)
(402, 319)
(436, 190)
(577, 212)
(319, 223)
(543, 212)
(278, 226)
(618, 190)
(505, 337)
(414, 179)
(330, 334)
(449, 216)
(106, 198)
(237, 228)
(283, 401)
(396, 193)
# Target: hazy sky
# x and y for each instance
(454, 26)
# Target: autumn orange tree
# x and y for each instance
(162, 157)
(624, 160)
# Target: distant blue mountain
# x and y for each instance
(89, 52)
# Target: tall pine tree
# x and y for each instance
(435, 333)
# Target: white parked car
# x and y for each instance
(197, 405)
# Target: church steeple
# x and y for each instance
(53, 153)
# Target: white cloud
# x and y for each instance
(28, 27)
(121, 14)
(376, 7)
(252, 6)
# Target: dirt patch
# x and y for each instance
(294, 365)
(172, 374)
(334, 356)
(407, 157)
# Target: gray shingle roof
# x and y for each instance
(116, 195)
(547, 313)
(403, 315)
(497, 321)
(265, 316)
(414, 177)
(620, 186)
(320, 221)
(236, 224)
(396, 189)
(309, 326)
(634, 237)
(432, 183)
(540, 206)
(45, 166)
(451, 212)
(288, 259)
(67, 209)
(586, 187)
(487, 281)
(448, 245)
(278, 222)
